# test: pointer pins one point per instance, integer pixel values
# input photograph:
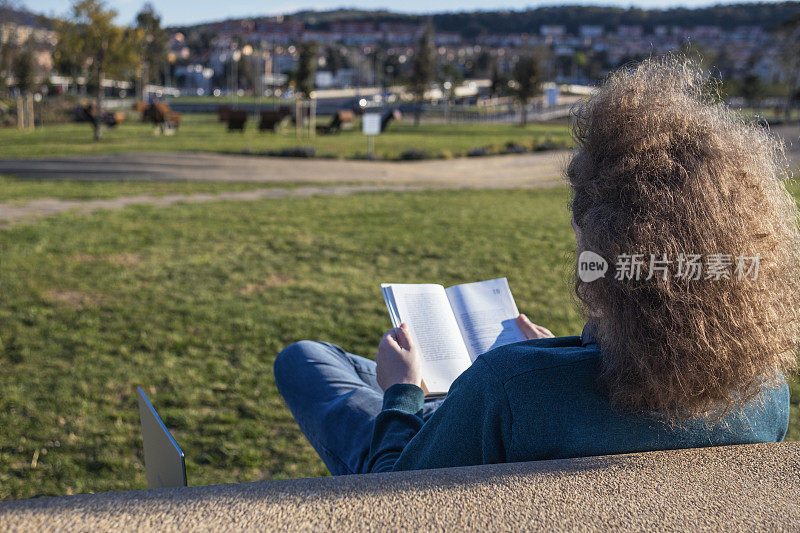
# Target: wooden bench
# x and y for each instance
(731, 488)
(390, 115)
(223, 112)
(274, 119)
(88, 112)
(160, 114)
(237, 120)
(344, 119)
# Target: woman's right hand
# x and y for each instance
(398, 360)
(531, 330)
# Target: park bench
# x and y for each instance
(88, 112)
(731, 488)
(237, 120)
(274, 119)
(223, 112)
(161, 115)
(388, 116)
(344, 119)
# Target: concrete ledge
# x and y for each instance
(753, 487)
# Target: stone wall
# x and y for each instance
(752, 487)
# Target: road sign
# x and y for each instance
(371, 123)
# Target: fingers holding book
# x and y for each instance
(531, 330)
(398, 360)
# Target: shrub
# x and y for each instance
(414, 155)
(514, 148)
(294, 151)
(548, 144)
(478, 151)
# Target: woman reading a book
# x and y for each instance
(689, 332)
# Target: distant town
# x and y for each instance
(741, 44)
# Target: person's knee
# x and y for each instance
(290, 359)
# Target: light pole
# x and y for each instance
(235, 70)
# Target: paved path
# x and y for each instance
(511, 169)
(531, 170)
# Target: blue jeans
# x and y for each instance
(334, 397)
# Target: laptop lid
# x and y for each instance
(163, 458)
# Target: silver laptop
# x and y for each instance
(163, 458)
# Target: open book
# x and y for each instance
(452, 327)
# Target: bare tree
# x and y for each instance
(306, 68)
(788, 36)
(8, 50)
(423, 70)
(99, 45)
(25, 81)
(155, 44)
(527, 77)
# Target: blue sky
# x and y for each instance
(188, 11)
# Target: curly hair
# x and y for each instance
(661, 168)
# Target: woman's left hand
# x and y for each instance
(398, 359)
(531, 330)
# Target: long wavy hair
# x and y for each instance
(661, 167)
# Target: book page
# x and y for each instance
(426, 310)
(486, 314)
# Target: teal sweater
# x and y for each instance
(539, 399)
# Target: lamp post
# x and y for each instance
(235, 71)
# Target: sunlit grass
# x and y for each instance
(192, 302)
(202, 132)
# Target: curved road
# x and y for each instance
(325, 176)
(507, 170)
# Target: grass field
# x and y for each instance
(200, 132)
(193, 302)
(21, 191)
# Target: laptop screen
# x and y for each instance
(163, 458)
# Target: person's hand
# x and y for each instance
(398, 359)
(531, 330)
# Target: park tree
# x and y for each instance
(498, 81)
(527, 81)
(482, 65)
(788, 37)
(450, 78)
(423, 70)
(155, 45)
(245, 73)
(100, 46)
(753, 90)
(336, 59)
(24, 69)
(306, 68)
(8, 49)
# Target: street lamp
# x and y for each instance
(235, 57)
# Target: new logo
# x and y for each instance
(591, 266)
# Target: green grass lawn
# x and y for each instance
(22, 191)
(192, 302)
(201, 132)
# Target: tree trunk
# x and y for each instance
(524, 113)
(98, 114)
(20, 113)
(31, 121)
(793, 89)
(417, 113)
